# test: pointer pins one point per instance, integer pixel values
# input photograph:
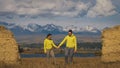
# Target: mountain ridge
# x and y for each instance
(49, 28)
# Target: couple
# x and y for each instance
(71, 47)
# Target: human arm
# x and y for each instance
(54, 44)
(75, 43)
(45, 43)
(64, 40)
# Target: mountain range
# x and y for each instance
(31, 28)
(35, 33)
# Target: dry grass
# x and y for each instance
(111, 44)
(78, 63)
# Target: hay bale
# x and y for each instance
(111, 44)
(8, 47)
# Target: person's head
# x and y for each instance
(70, 32)
(49, 36)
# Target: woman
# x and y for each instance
(48, 48)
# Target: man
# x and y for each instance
(71, 46)
(48, 48)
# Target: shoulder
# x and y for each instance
(66, 36)
(74, 36)
(51, 40)
(45, 39)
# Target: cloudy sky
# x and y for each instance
(97, 13)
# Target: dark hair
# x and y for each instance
(48, 35)
(70, 31)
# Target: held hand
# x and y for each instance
(75, 51)
(45, 52)
(58, 47)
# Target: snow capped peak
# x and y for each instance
(52, 27)
(72, 27)
(33, 27)
(91, 29)
(36, 28)
(24, 26)
(81, 29)
(30, 27)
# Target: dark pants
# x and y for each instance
(69, 52)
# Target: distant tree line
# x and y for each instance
(89, 45)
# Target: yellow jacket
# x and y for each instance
(48, 44)
(70, 41)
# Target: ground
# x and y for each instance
(78, 63)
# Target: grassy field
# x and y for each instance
(78, 63)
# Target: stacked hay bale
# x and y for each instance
(111, 44)
(8, 47)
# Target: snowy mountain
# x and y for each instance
(52, 27)
(74, 28)
(33, 27)
(79, 29)
(21, 29)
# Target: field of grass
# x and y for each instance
(78, 63)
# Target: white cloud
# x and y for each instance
(36, 7)
(70, 9)
(67, 8)
(7, 6)
(102, 8)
